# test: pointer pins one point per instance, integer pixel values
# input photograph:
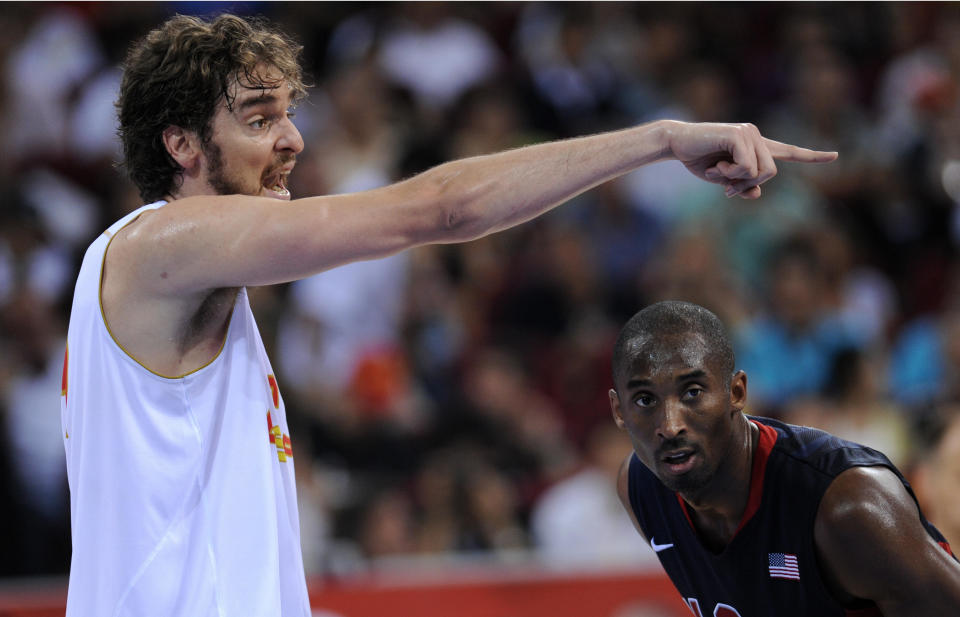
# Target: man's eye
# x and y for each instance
(291, 115)
(259, 123)
(693, 392)
(644, 400)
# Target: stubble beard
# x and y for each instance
(216, 174)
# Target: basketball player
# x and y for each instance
(752, 517)
(178, 452)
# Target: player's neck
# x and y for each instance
(718, 509)
(190, 188)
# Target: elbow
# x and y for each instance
(458, 212)
(457, 223)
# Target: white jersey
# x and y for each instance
(182, 497)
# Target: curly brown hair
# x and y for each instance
(178, 74)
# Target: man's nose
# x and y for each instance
(673, 421)
(290, 138)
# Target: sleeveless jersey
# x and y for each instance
(770, 566)
(182, 496)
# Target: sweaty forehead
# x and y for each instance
(656, 357)
(262, 82)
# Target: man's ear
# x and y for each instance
(738, 391)
(615, 408)
(183, 146)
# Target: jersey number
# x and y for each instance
(720, 610)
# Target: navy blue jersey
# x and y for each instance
(770, 566)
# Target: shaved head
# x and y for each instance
(664, 328)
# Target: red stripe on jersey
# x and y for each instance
(946, 546)
(768, 437)
(274, 390)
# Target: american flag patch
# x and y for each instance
(784, 565)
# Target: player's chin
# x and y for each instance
(686, 477)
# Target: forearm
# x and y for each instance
(485, 194)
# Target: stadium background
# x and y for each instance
(448, 405)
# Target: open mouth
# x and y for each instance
(275, 185)
(679, 461)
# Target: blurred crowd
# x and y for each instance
(452, 399)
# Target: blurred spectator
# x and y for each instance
(436, 495)
(855, 406)
(461, 502)
(511, 416)
(789, 347)
(435, 54)
(566, 65)
(360, 133)
(60, 51)
(937, 475)
(691, 266)
(925, 363)
(492, 511)
(919, 80)
(31, 396)
(925, 357)
(823, 108)
(622, 240)
(487, 119)
(386, 526)
(579, 521)
(863, 295)
(28, 262)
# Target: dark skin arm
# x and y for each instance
(871, 545)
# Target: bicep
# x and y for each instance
(872, 545)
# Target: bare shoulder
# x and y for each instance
(868, 532)
(153, 255)
(169, 333)
(864, 494)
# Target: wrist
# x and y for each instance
(664, 133)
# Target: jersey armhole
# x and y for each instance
(111, 235)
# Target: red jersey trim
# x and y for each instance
(768, 437)
(946, 546)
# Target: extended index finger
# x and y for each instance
(796, 154)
